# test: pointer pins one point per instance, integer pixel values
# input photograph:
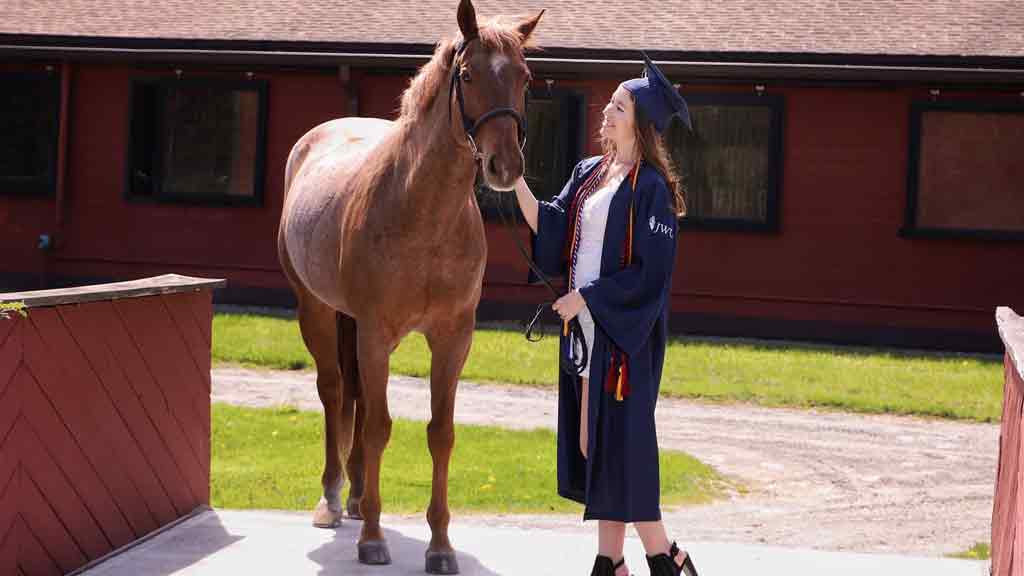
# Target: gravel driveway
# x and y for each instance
(818, 479)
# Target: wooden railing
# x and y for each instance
(104, 418)
(1008, 506)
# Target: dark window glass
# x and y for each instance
(730, 161)
(197, 141)
(967, 169)
(29, 115)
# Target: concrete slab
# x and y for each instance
(253, 542)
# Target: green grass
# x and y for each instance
(272, 459)
(859, 380)
(979, 551)
(6, 308)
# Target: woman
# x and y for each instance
(612, 232)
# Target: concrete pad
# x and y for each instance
(253, 542)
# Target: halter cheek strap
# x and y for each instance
(471, 126)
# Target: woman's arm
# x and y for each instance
(527, 203)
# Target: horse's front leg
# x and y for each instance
(449, 347)
(373, 351)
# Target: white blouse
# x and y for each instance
(593, 221)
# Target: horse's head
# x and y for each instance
(490, 79)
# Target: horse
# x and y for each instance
(381, 235)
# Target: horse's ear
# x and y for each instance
(527, 26)
(467, 19)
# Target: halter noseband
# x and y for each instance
(468, 124)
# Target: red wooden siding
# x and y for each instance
(1005, 504)
(837, 259)
(1007, 544)
(1008, 505)
(104, 426)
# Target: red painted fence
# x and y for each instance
(1008, 506)
(104, 418)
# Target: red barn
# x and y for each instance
(854, 173)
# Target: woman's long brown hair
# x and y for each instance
(654, 152)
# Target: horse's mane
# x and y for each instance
(496, 34)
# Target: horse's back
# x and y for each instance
(342, 140)
(318, 180)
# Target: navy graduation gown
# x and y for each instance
(619, 480)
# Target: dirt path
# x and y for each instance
(818, 479)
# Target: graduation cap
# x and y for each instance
(658, 98)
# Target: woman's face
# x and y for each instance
(619, 119)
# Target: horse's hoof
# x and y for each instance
(374, 552)
(353, 509)
(324, 517)
(442, 563)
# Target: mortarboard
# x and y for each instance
(658, 98)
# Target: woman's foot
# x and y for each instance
(604, 566)
(674, 563)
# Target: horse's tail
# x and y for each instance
(347, 356)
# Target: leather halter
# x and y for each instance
(472, 126)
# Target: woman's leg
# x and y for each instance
(610, 538)
(583, 418)
(652, 534)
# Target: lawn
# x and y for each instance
(980, 551)
(273, 458)
(853, 379)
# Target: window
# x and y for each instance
(29, 118)
(197, 141)
(966, 170)
(730, 162)
(553, 146)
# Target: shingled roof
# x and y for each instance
(968, 42)
(949, 28)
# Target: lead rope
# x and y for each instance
(577, 363)
(572, 328)
(578, 359)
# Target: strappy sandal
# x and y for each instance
(604, 566)
(665, 564)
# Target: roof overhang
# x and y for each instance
(556, 62)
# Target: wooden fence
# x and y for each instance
(1008, 506)
(104, 418)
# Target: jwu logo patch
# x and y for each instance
(659, 228)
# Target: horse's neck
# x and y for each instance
(439, 170)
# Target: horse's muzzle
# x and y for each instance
(501, 170)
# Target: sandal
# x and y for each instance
(665, 564)
(603, 566)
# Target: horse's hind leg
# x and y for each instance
(352, 402)
(449, 347)
(318, 323)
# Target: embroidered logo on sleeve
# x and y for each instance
(659, 228)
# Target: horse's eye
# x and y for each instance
(466, 77)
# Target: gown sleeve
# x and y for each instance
(552, 229)
(627, 303)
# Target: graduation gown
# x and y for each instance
(619, 479)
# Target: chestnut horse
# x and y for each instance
(381, 235)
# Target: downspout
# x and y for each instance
(50, 244)
(351, 88)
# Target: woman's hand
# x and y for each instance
(568, 306)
